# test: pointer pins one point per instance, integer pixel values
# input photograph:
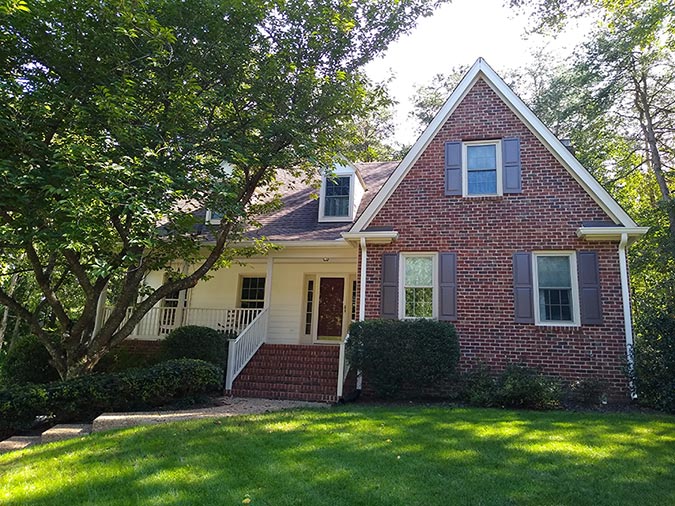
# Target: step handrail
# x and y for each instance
(242, 349)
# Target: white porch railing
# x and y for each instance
(160, 321)
(242, 349)
(343, 368)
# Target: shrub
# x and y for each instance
(403, 358)
(480, 387)
(517, 386)
(19, 406)
(654, 359)
(522, 387)
(122, 359)
(86, 397)
(192, 341)
(588, 393)
(28, 362)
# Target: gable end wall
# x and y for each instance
(486, 231)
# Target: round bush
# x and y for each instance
(28, 362)
(192, 341)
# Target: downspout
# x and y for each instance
(362, 300)
(625, 295)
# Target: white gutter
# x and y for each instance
(362, 284)
(374, 237)
(625, 295)
(610, 233)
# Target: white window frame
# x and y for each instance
(401, 283)
(576, 313)
(210, 219)
(242, 277)
(322, 200)
(498, 163)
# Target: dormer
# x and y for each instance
(341, 192)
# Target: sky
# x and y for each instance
(457, 34)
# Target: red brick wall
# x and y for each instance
(486, 231)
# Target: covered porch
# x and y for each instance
(292, 301)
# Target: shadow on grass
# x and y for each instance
(359, 455)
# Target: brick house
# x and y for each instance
(489, 222)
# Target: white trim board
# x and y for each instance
(481, 70)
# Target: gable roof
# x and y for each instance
(481, 70)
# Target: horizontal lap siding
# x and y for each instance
(485, 232)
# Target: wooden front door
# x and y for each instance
(331, 308)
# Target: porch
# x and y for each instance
(286, 316)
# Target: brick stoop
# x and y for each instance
(279, 371)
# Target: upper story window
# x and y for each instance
(482, 168)
(556, 291)
(341, 192)
(337, 196)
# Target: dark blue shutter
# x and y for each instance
(511, 166)
(448, 287)
(389, 293)
(453, 168)
(589, 288)
(522, 287)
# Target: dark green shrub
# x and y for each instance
(588, 393)
(19, 405)
(122, 359)
(192, 341)
(28, 362)
(86, 397)
(654, 359)
(480, 387)
(522, 387)
(403, 358)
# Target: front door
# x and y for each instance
(331, 308)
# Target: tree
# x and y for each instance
(625, 91)
(117, 118)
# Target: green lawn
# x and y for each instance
(359, 455)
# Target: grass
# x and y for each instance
(359, 455)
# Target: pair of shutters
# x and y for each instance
(511, 180)
(447, 286)
(589, 287)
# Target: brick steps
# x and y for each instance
(292, 372)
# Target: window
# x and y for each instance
(309, 306)
(481, 168)
(418, 274)
(213, 217)
(252, 293)
(556, 299)
(337, 197)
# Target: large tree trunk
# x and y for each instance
(5, 314)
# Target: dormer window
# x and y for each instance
(337, 197)
(341, 192)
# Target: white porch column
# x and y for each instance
(268, 282)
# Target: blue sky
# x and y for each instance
(458, 33)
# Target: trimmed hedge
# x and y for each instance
(403, 358)
(193, 341)
(28, 362)
(86, 397)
